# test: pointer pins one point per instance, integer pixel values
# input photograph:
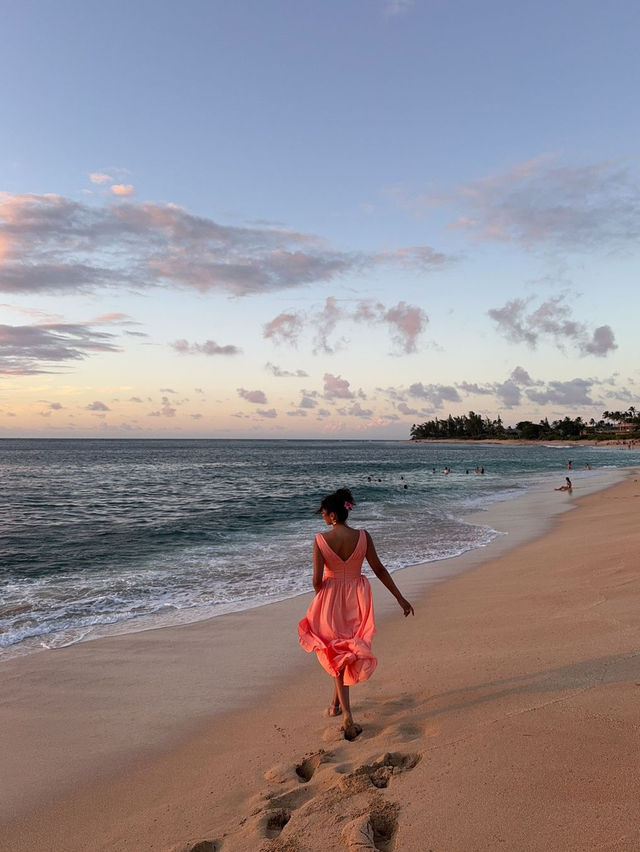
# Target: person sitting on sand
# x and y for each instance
(566, 487)
(339, 624)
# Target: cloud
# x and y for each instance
(209, 347)
(256, 396)
(405, 322)
(324, 322)
(403, 408)
(297, 412)
(167, 410)
(269, 413)
(544, 202)
(574, 392)
(601, 343)
(521, 377)
(307, 402)
(100, 178)
(552, 320)
(474, 388)
(32, 349)
(279, 373)
(285, 328)
(434, 394)
(508, 393)
(356, 410)
(336, 387)
(123, 190)
(97, 406)
(60, 245)
(56, 406)
(397, 7)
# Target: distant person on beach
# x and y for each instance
(339, 624)
(569, 465)
(566, 487)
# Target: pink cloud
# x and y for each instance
(56, 244)
(100, 178)
(407, 323)
(124, 190)
(285, 328)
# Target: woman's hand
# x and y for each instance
(406, 606)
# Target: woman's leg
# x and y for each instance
(351, 730)
(334, 707)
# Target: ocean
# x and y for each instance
(105, 536)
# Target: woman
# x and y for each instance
(339, 624)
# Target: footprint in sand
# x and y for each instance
(273, 822)
(373, 832)
(379, 773)
(200, 846)
(308, 765)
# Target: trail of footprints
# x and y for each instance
(373, 830)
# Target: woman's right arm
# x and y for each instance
(385, 577)
(318, 567)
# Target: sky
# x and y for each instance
(303, 219)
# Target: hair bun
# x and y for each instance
(345, 495)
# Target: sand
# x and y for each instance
(503, 716)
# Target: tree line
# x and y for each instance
(475, 426)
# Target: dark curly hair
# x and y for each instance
(340, 502)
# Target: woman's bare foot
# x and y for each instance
(334, 710)
(351, 730)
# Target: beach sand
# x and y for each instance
(505, 715)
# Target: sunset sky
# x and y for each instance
(316, 219)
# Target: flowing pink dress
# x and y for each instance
(339, 624)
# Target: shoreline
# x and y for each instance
(76, 635)
(114, 678)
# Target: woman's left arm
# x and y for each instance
(385, 577)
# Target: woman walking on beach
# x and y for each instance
(339, 624)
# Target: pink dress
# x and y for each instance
(339, 624)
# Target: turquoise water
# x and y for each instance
(116, 535)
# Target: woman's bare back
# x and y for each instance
(343, 540)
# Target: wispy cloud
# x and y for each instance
(397, 7)
(209, 347)
(281, 373)
(100, 178)
(56, 244)
(552, 319)
(544, 202)
(405, 323)
(285, 328)
(32, 349)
